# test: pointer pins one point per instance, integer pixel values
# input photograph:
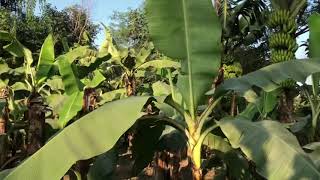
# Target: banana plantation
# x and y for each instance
(189, 90)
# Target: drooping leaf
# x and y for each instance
(76, 53)
(68, 72)
(179, 31)
(5, 36)
(108, 46)
(215, 142)
(18, 86)
(71, 107)
(95, 81)
(275, 151)
(16, 49)
(46, 59)
(161, 89)
(4, 68)
(55, 83)
(56, 101)
(312, 146)
(81, 140)
(143, 54)
(159, 64)
(269, 78)
(112, 95)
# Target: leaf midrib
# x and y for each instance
(191, 108)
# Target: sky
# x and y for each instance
(100, 10)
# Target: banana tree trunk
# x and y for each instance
(4, 118)
(130, 83)
(286, 106)
(36, 123)
(194, 153)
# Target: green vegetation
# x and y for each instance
(178, 89)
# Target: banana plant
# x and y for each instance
(283, 45)
(74, 87)
(96, 124)
(134, 62)
(34, 78)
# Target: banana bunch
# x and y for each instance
(232, 71)
(281, 19)
(283, 41)
(281, 55)
(290, 27)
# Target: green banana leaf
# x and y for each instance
(314, 26)
(71, 107)
(4, 68)
(275, 151)
(159, 64)
(18, 86)
(46, 59)
(69, 72)
(95, 81)
(270, 77)
(144, 53)
(217, 143)
(56, 101)
(15, 48)
(55, 83)
(5, 36)
(90, 136)
(112, 95)
(179, 31)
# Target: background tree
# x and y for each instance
(71, 24)
(130, 28)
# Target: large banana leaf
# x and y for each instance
(275, 151)
(46, 59)
(180, 31)
(270, 77)
(90, 136)
(71, 107)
